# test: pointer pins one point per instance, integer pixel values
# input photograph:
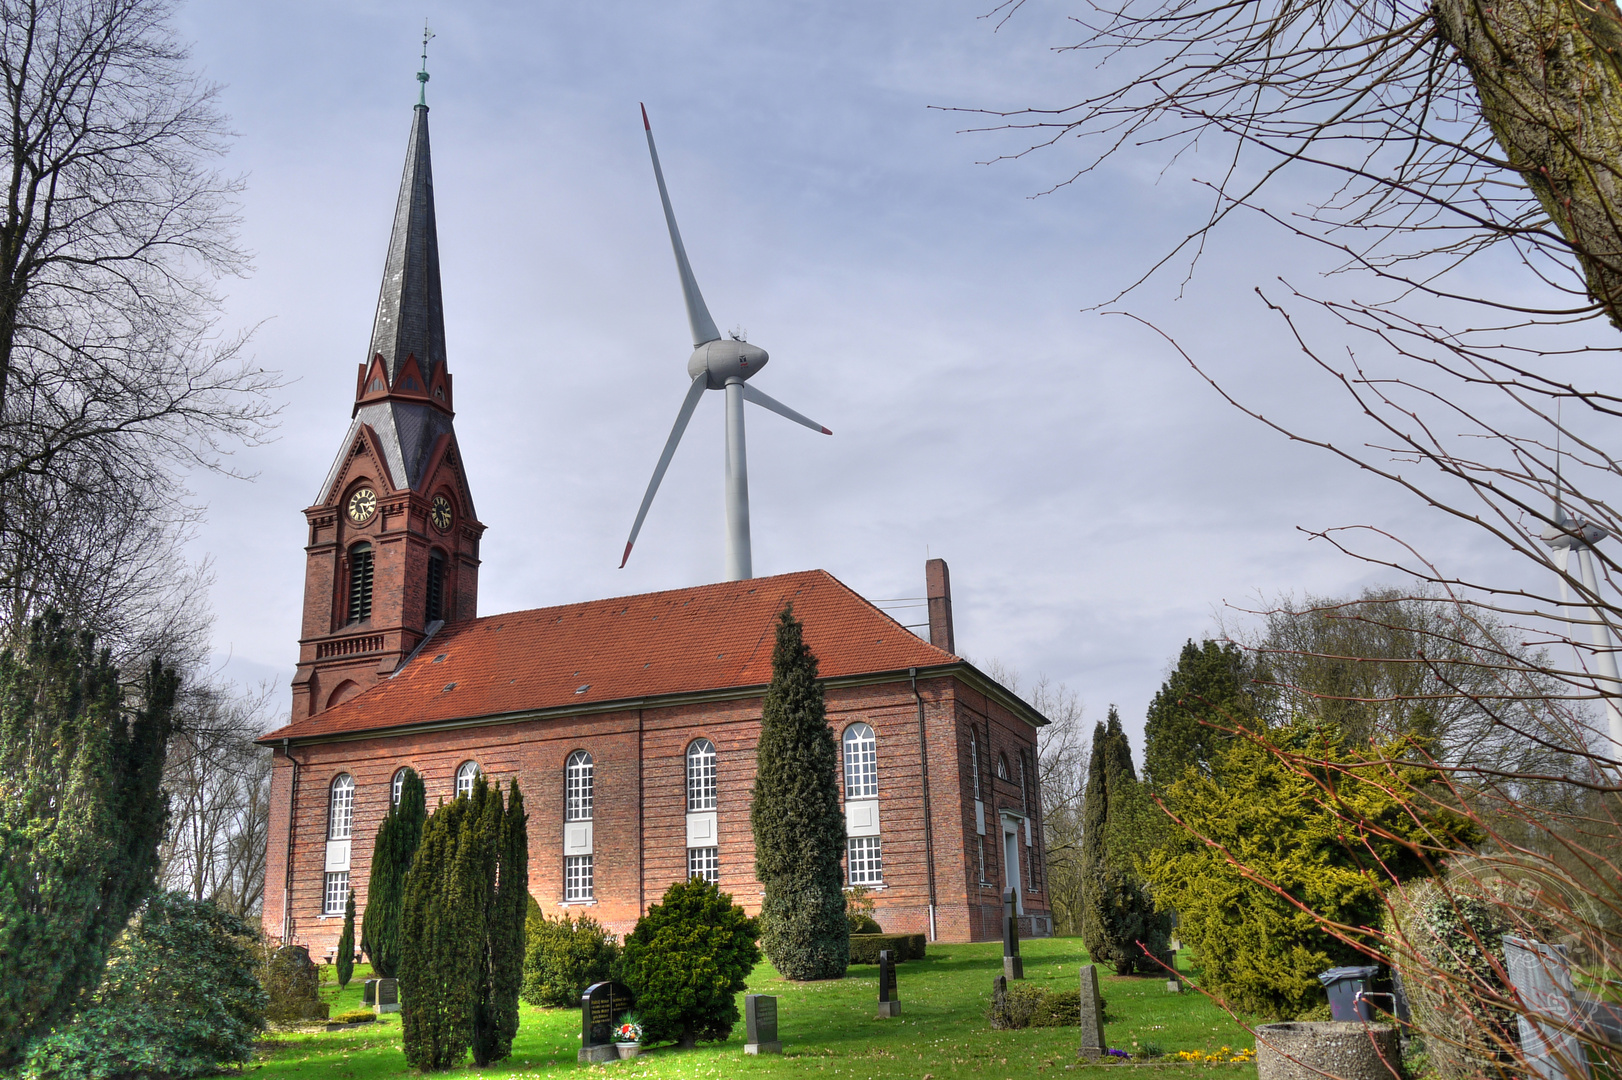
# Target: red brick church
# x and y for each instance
(630, 722)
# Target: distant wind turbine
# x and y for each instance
(716, 364)
(1573, 537)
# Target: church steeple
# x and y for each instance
(410, 312)
(393, 546)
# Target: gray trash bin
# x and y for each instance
(1348, 988)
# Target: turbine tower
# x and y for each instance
(1570, 537)
(717, 363)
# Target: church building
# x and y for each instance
(631, 722)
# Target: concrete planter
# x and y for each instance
(1303, 1050)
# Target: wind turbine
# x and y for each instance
(1570, 537)
(717, 363)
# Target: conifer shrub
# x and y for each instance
(1260, 950)
(81, 815)
(462, 930)
(392, 852)
(344, 961)
(1118, 916)
(799, 827)
(565, 955)
(686, 961)
(180, 998)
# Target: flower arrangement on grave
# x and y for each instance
(628, 1031)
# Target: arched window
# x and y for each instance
(577, 787)
(360, 582)
(436, 586)
(1002, 766)
(341, 810)
(974, 762)
(861, 763)
(465, 777)
(701, 775)
(394, 788)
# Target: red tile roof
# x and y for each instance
(708, 638)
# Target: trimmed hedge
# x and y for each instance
(865, 948)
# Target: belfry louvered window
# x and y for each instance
(360, 582)
(436, 586)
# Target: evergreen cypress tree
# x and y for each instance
(495, 1018)
(442, 935)
(1118, 919)
(345, 960)
(396, 845)
(81, 817)
(798, 825)
(1211, 684)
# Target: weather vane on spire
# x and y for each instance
(422, 76)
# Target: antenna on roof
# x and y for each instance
(422, 75)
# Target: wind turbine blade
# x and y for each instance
(697, 314)
(765, 402)
(688, 404)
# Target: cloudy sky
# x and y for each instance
(1096, 501)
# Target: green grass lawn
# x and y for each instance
(828, 1029)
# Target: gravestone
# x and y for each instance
(1174, 985)
(368, 992)
(292, 985)
(1541, 976)
(889, 1000)
(1012, 966)
(760, 1024)
(388, 996)
(601, 1007)
(1093, 1045)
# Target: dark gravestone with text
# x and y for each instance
(1012, 966)
(889, 1000)
(388, 995)
(1092, 1015)
(601, 1007)
(760, 1023)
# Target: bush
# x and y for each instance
(1454, 940)
(564, 956)
(293, 984)
(355, 1016)
(1030, 1005)
(686, 962)
(865, 948)
(179, 999)
(859, 911)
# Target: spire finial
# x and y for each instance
(422, 76)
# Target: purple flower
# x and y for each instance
(1120, 1054)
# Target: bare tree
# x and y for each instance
(1418, 138)
(218, 783)
(114, 228)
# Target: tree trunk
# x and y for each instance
(1550, 83)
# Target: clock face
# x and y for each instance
(440, 515)
(362, 505)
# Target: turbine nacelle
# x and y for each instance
(725, 360)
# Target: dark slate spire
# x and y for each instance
(410, 313)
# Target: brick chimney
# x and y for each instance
(938, 588)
